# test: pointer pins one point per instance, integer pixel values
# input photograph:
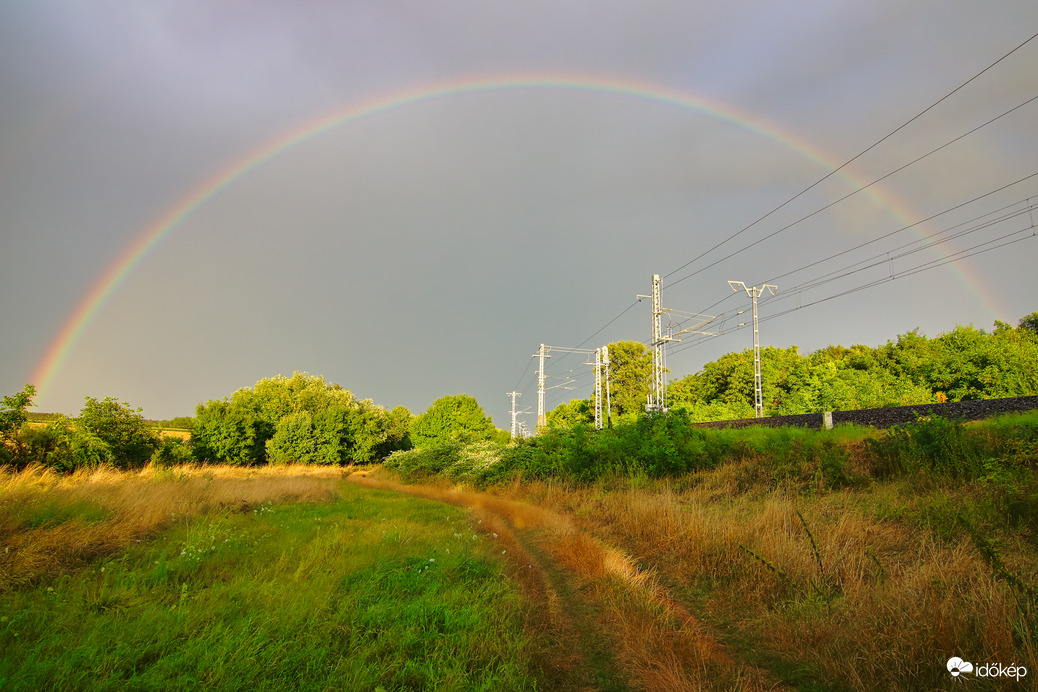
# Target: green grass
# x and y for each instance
(375, 590)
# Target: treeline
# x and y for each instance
(963, 364)
(297, 419)
(106, 432)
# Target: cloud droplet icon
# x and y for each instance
(956, 666)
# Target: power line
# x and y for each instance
(886, 235)
(849, 161)
(886, 257)
(828, 175)
(849, 194)
(973, 251)
(905, 228)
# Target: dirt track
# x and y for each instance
(604, 622)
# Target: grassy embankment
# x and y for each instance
(756, 571)
(285, 578)
(815, 560)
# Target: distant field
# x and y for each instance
(181, 434)
(163, 432)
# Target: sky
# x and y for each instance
(408, 198)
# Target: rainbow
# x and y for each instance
(149, 238)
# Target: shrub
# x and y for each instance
(229, 435)
(171, 451)
(129, 438)
(293, 440)
(65, 447)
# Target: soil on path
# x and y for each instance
(600, 621)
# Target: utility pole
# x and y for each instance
(598, 389)
(754, 292)
(658, 393)
(605, 363)
(514, 395)
(541, 354)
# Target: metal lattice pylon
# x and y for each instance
(758, 390)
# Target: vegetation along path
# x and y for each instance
(601, 620)
(231, 579)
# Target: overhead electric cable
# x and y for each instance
(849, 161)
(851, 194)
(904, 228)
(926, 266)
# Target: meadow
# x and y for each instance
(213, 578)
(729, 560)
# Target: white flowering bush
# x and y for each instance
(476, 462)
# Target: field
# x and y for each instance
(217, 579)
(726, 578)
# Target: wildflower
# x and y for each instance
(432, 559)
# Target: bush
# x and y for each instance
(229, 435)
(934, 444)
(65, 447)
(171, 451)
(293, 440)
(129, 438)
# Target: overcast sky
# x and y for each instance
(429, 248)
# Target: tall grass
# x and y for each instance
(657, 643)
(844, 559)
(820, 590)
(371, 591)
(52, 523)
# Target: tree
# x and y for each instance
(576, 412)
(123, 429)
(398, 431)
(630, 369)
(451, 418)
(1029, 322)
(293, 440)
(224, 432)
(12, 418)
(12, 411)
(65, 446)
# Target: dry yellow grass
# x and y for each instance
(184, 435)
(659, 643)
(874, 591)
(39, 537)
(876, 605)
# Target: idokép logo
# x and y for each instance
(957, 667)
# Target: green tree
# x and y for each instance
(398, 431)
(293, 440)
(65, 446)
(450, 418)
(1029, 323)
(575, 412)
(122, 428)
(12, 410)
(630, 369)
(225, 433)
